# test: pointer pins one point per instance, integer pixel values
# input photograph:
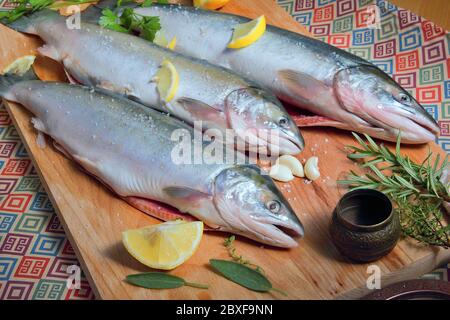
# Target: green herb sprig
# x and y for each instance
(242, 271)
(415, 188)
(23, 7)
(229, 245)
(160, 280)
(130, 22)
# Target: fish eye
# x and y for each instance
(283, 122)
(274, 206)
(404, 98)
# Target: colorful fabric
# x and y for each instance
(34, 251)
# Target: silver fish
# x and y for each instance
(327, 81)
(129, 148)
(126, 64)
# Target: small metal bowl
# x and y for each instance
(364, 226)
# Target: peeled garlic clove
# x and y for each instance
(312, 168)
(292, 163)
(281, 173)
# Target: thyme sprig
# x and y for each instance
(229, 245)
(415, 188)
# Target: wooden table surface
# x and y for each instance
(437, 11)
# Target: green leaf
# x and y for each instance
(155, 280)
(373, 145)
(127, 19)
(110, 20)
(242, 275)
(160, 280)
(147, 3)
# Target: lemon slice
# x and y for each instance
(246, 33)
(20, 65)
(210, 4)
(167, 80)
(164, 246)
(162, 41)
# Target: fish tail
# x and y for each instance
(8, 80)
(27, 23)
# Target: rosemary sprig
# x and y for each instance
(415, 188)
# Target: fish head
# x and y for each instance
(257, 114)
(250, 204)
(383, 106)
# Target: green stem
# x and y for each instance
(196, 285)
(69, 3)
(284, 293)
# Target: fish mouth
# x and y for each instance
(287, 142)
(280, 233)
(416, 126)
(291, 142)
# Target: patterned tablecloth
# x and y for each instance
(34, 251)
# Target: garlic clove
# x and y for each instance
(312, 168)
(292, 163)
(281, 173)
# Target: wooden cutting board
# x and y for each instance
(94, 218)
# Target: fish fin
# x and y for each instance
(69, 77)
(90, 166)
(185, 193)
(27, 23)
(301, 84)
(40, 127)
(160, 210)
(49, 51)
(8, 80)
(200, 110)
(61, 149)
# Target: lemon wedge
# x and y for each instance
(164, 246)
(20, 65)
(162, 41)
(246, 33)
(210, 4)
(167, 80)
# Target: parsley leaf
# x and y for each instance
(110, 20)
(147, 3)
(130, 22)
(149, 27)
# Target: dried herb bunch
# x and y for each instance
(415, 188)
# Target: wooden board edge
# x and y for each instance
(80, 257)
